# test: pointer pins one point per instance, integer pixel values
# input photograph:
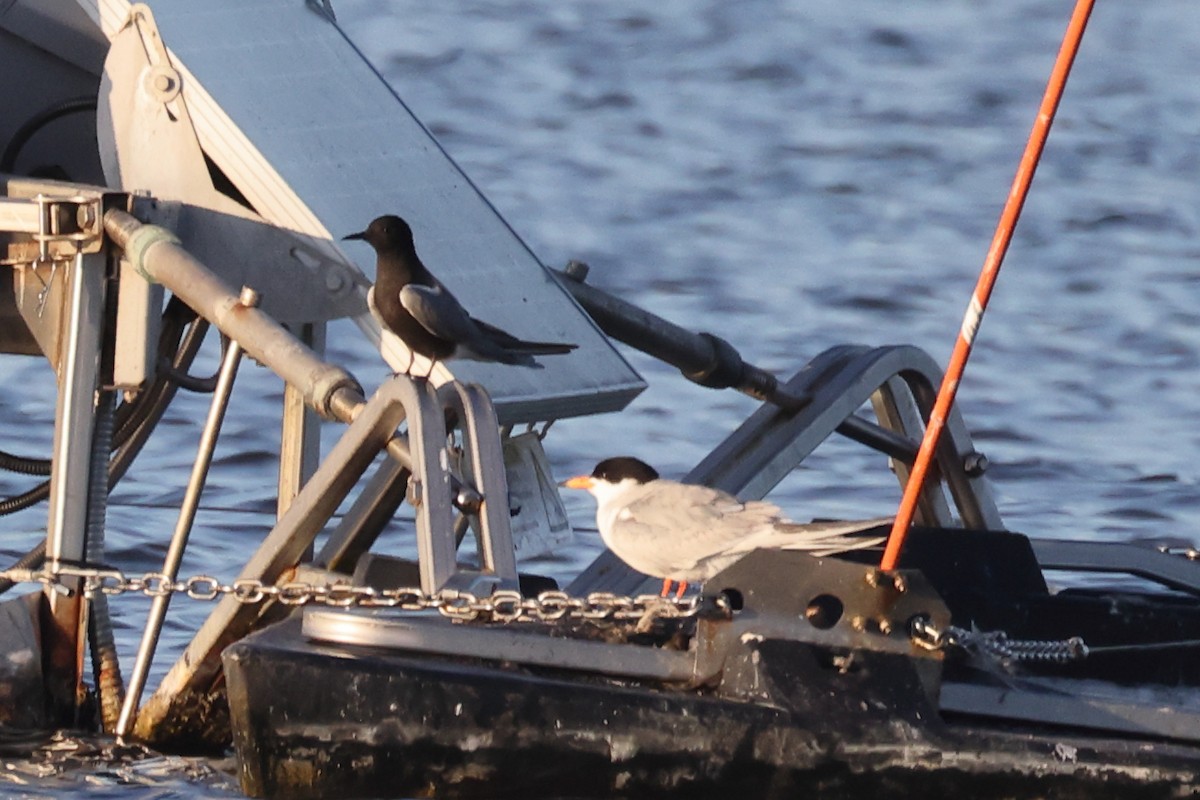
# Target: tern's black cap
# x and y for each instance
(387, 232)
(614, 470)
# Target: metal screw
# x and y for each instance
(975, 464)
(858, 622)
(900, 583)
(872, 578)
(85, 216)
(885, 626)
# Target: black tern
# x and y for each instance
(688, 533)
(410, 303)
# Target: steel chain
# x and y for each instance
(503, 605)
(997, 643)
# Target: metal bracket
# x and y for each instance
(59, 227)
(149, 143)
(43, 225)
(481, 436)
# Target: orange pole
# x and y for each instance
(987, 279)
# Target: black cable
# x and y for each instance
(11, 505)
(38, 121)
(24, 465)
(135, 420)
(193, 383)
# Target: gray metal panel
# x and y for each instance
(60, 27)
(1071, 705)
(47, 57)
(290, 110)
(1168, 569)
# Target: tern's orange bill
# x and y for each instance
(579, 482)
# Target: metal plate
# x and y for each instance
(439, 636)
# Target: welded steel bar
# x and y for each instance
(300, 434)
(69, 485)
(19, 215)
(183, 527)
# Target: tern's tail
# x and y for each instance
(539, 348)
(828, 538)
(518, 350)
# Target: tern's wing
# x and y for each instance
(438, 312)
(687, 523)
(818, 538)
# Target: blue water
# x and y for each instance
(790, 176)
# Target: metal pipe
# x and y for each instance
(709, 360)
(702, 357)
(157, 254)
(183, 528)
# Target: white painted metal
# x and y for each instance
(139, 322)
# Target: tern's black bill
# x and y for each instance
(359, 235)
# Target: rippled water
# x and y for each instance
(790, 176)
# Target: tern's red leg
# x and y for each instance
(679, 590)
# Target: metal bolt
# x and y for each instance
(468, 500)
(163, 82)
(249, 297)
(577, 271)
(858, 622)
(85, 216)
(872, 578)
(975, 464)
(334, 282)
(885, 626)
(900, 583)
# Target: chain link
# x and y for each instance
(503, 605)
(997, 644)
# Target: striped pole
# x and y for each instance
(987, 279)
